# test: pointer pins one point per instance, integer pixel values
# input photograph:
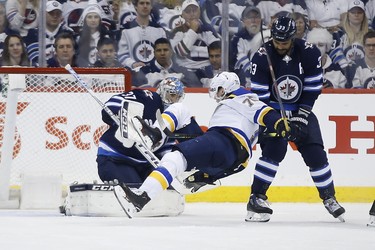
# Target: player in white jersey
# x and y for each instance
(224, 149)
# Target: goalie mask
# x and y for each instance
(171, 90)
(227, 81)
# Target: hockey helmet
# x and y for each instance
(283, 28)
(171, 90)
(228, 81)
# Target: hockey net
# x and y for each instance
(57, 123)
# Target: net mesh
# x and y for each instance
(58, 124)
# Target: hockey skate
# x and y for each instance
(150, 136)
(334, 208)
(258, 209)
(371, 223)
(130, 201)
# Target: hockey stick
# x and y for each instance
(169, 133)
(274, 84)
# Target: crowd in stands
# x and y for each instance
(183, 38)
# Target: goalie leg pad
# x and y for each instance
(97, 200)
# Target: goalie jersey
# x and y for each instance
(108, 144)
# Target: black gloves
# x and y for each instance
(297, 126)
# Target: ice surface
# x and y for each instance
(201, 226)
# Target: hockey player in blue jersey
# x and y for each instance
(224, 149)
(121, 160)
(298, 79)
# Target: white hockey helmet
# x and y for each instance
(171, 90)
(228, 81)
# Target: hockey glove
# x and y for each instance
(300, 122)
(282, 131)
(151, 136)
(197, 180)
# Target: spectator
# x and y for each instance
(4, 27)
(107, 53)
(370, 13)
(326, 14)
(207, 73)
(54, 26)
(22, 15)
(73, 10)
(93, 29)
(365, 75)
(170, 14)
(302, 25)
(163, 66)
(64, 51)
(138, 36)
(355, 26)
(242, 43)
(190, 40)
(123, 12)
(14, 53)
(212, 14)
(274, 8)
(333, 77)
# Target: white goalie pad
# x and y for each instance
(98, 200)
(126, 132)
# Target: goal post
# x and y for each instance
(51, 125)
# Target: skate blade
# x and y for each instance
(257, 217)
(341, 218)
(371, 222)
(127, 206)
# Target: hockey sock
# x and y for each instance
(322, 178)
(265, 171)
(156, 182)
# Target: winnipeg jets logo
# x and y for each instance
(369, 83)
(289, 87)
(143, 51)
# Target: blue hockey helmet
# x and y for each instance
(171, 90)
(283, 28)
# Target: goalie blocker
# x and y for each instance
(97, 200)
